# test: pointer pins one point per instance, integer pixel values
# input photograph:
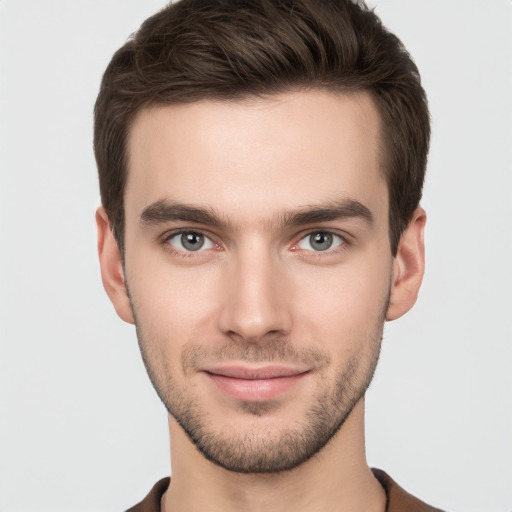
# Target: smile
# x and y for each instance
(255, 384)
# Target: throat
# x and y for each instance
(336, 478)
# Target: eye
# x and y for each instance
(190, 241)
(320, 241)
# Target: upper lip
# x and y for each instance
(255, 373)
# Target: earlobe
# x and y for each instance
(112, 273)
(408, 267)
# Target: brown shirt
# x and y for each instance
(398, 500)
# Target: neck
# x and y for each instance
(337, 478)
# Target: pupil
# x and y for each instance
(192, 241)
(321, 241)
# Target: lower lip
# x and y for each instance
(255, 390)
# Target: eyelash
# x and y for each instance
(186, 254)
(344, 244)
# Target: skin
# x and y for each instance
(259, 294)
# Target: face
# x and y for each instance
(259, 268)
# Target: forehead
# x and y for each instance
(257, 156)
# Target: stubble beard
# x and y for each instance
(264, 451)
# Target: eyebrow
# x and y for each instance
(344, 209)
(163, 211)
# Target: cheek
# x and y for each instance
(172, 303)
(345, 303)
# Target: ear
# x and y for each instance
(408, 267)
(112, 273)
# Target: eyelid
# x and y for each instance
(344, 240)
(163, 239)
(169, 235)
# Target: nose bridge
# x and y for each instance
(255, 301)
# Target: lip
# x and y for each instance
(255, 384)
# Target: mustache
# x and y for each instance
(269, 351)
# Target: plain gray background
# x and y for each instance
(81, 429)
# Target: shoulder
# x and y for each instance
(400, 500)
(151, 503)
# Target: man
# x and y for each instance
(261, 166)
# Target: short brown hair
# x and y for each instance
(232, 49)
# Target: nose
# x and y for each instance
(256, 298)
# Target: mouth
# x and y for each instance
(255, 384)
